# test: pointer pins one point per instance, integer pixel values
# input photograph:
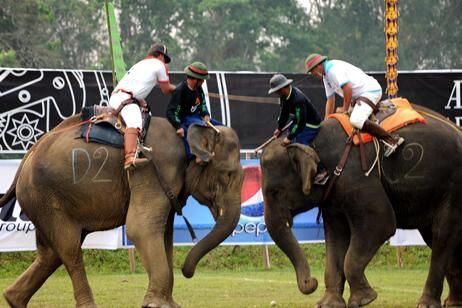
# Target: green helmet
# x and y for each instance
(313, 60)
(197, 70)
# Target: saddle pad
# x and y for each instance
(403, 116)
(103, 133)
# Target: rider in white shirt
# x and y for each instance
(134, 87)
(355, 87)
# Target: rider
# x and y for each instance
(187, 104)
(134, 87)
(306, 120)
(356, 88)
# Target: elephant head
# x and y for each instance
(288, 174)
(216, 184)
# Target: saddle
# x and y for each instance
(391, 119)
(392, 114)
(106, 126)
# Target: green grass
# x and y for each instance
(253, 288)
(227, 277)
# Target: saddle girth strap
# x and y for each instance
(365, 100)
(339, 168)
(362, 151)
(176, 204)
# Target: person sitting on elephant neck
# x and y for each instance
(188, 106)
(306, 120)
(129, 94)
(351, 83)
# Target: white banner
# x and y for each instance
(17, 233)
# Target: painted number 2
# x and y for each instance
(81, 167)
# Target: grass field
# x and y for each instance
(225, 278)
(396, 288)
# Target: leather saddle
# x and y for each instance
(106, 126)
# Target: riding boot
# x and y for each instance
(391, 141)
(132, 160)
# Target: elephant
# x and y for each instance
(69, 188)
(415, 188)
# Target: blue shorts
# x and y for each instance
(306, 135)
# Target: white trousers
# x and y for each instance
(131, 114)
(362, 111)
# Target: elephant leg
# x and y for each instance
(367, 235)
(454, 278)
(147, 230)
(337, 238)
(168, 239)
(67, 243)
(46, 262)
(444, 260)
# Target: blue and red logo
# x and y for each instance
(251, 194)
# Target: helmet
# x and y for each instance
(197, 70)
(278, 82)
(313, 60)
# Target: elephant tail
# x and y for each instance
(11, 193)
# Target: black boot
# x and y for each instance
(391, 142)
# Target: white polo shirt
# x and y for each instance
(143, 77)
(338, 73)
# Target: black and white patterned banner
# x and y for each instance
(34, 101)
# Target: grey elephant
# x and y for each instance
(69, 188)
(417, 188)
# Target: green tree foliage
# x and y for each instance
(51, 33)
(264, 35)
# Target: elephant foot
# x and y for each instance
(428, 302)
(158, 303)
(12, 299)
(88, 305)
(452, 303)
(331, 300)
(361, 297)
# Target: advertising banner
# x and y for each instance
(33, 101)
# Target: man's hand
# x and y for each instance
(286, 142)
(206, 118)
(180, 132)
(276, 133)
(340, 110)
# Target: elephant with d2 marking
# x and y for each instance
(69, 188)
(419, 188)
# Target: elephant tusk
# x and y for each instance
(220, 213)
(287, 224)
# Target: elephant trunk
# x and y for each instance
(280, 232)
(226, 222)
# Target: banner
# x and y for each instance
(34, 101)
(251, 229)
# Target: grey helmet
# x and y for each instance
(277, 82)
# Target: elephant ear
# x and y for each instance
(305, 161)
(202, 140)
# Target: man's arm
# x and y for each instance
(173, 109)
(330, 104)
(347, 94)
(166, 87)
